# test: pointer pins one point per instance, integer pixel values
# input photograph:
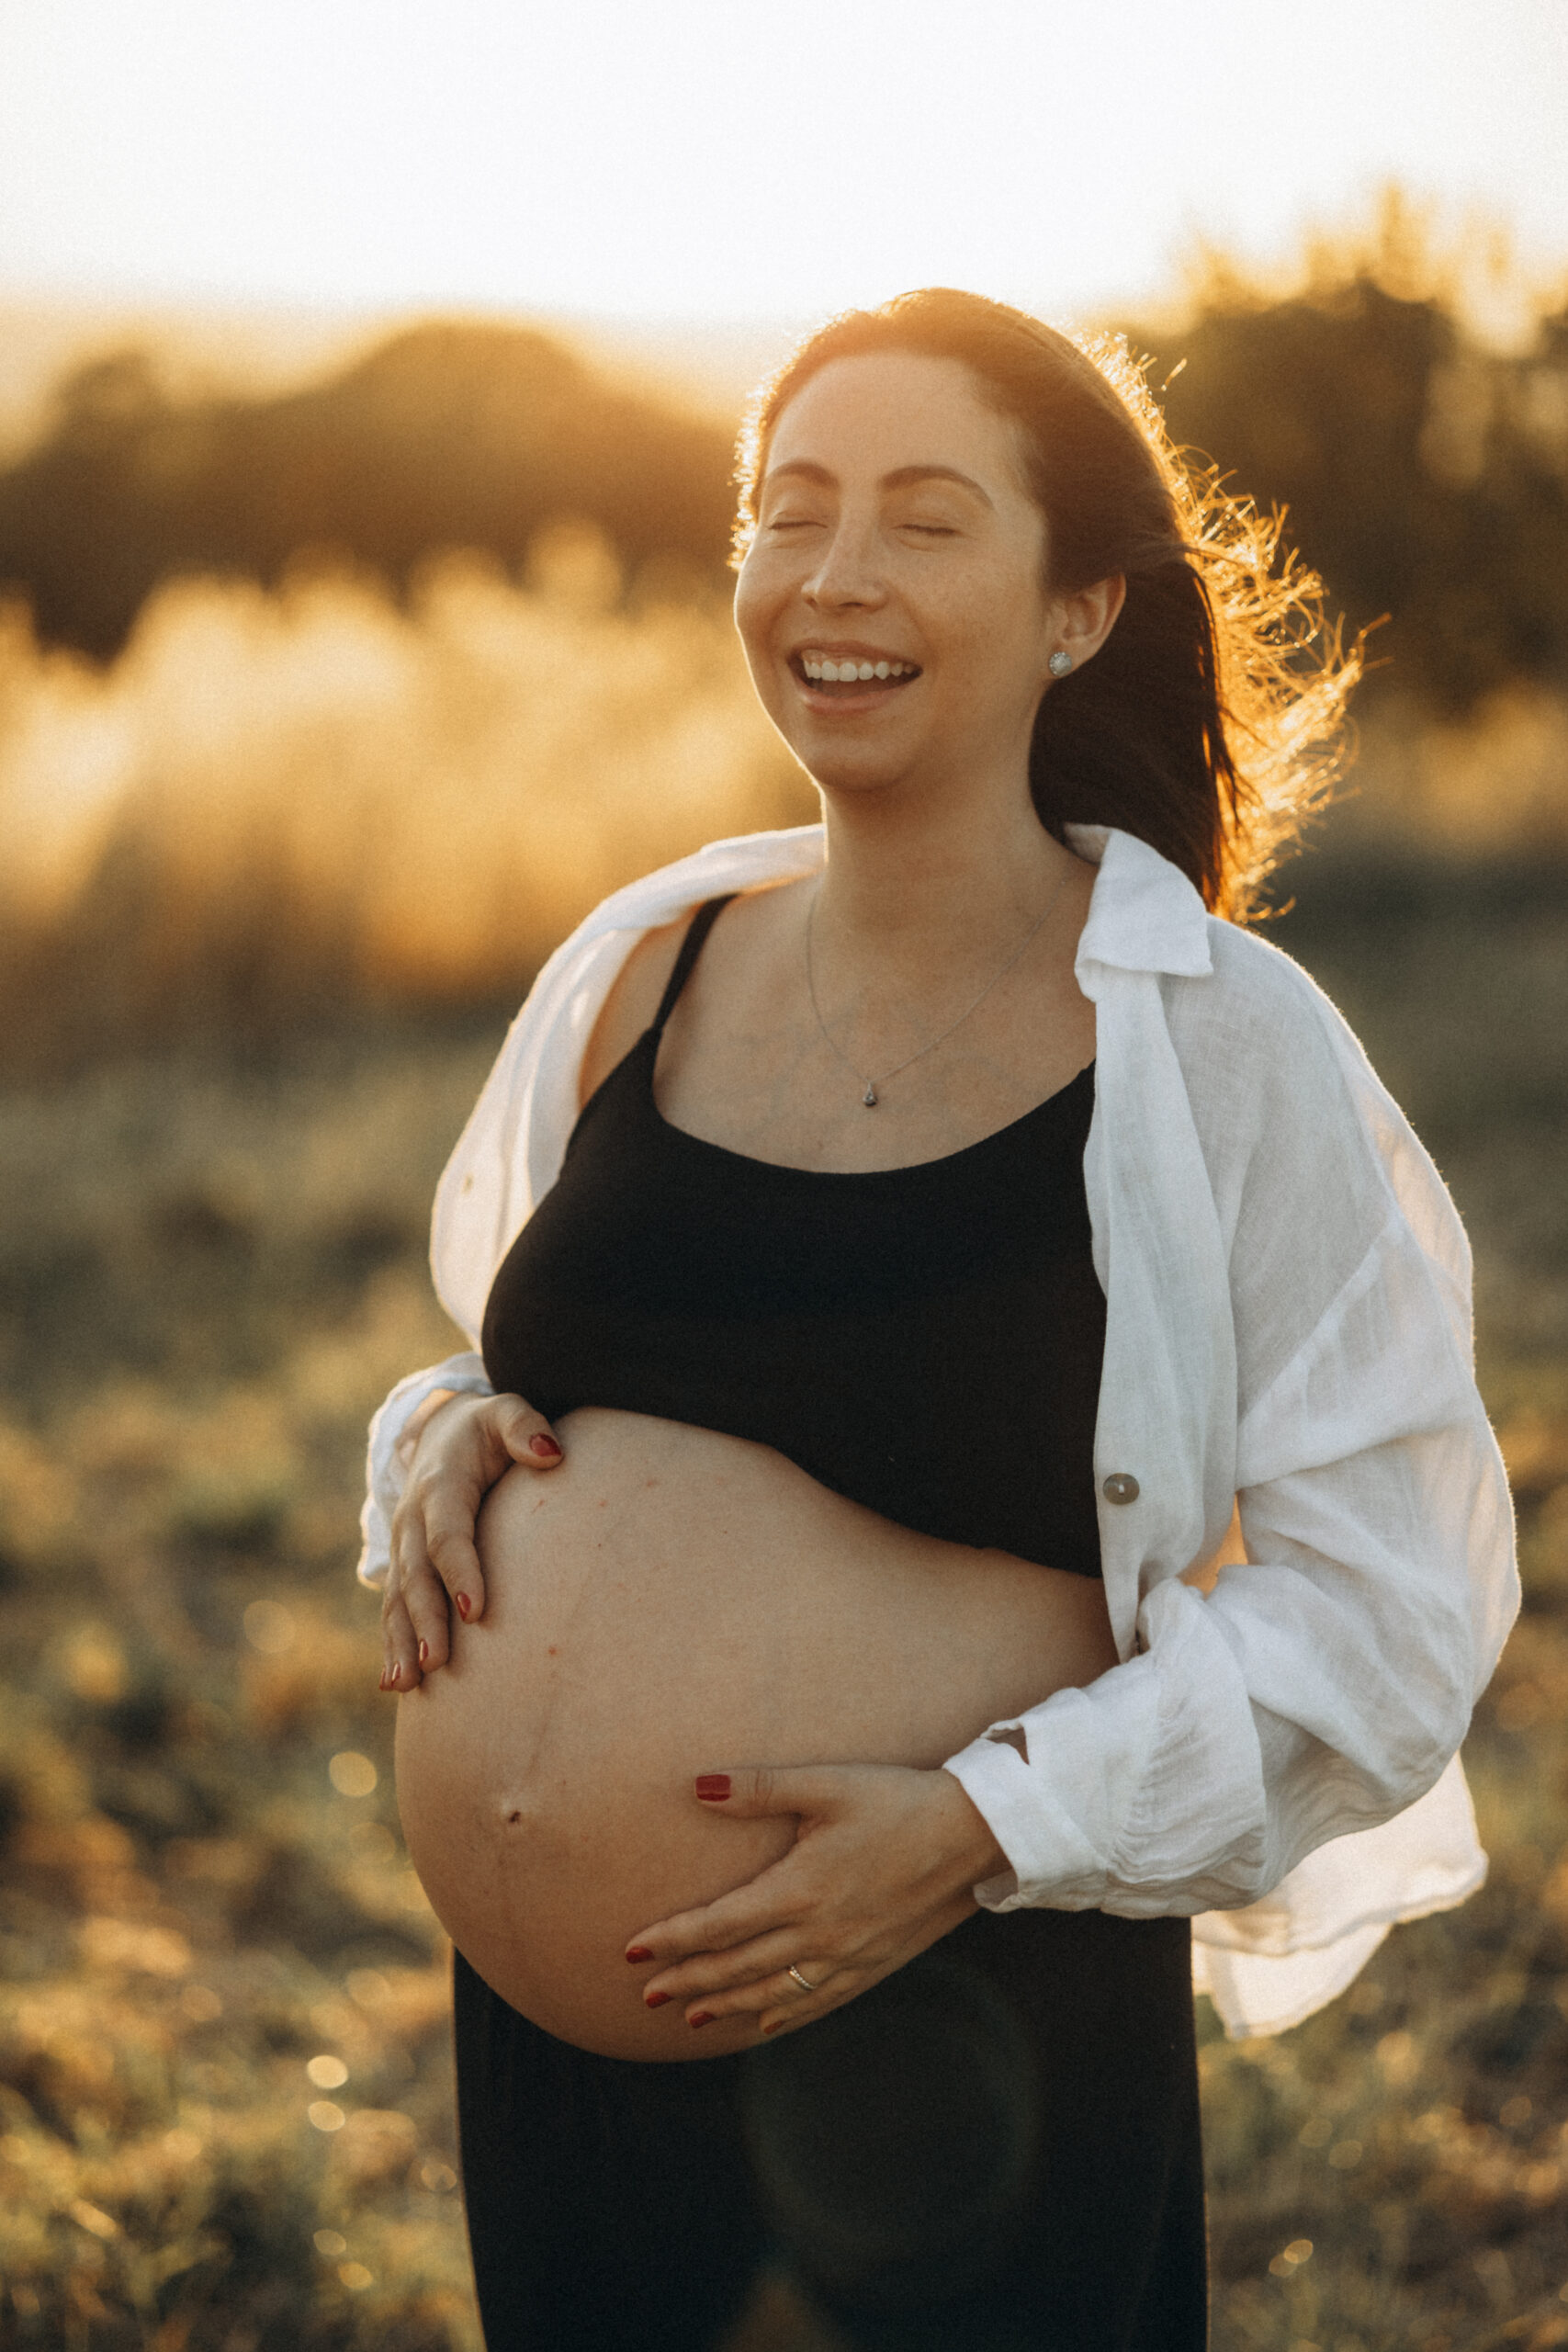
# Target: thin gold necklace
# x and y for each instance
(871, 1098)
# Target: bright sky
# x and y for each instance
(736, 158)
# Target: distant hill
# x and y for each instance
(447, 434)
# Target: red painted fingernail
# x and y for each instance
(657, 2000)
(383, 1677)
(397, 1674)
(713, 1787)
(774, 2027)
(424, 1652)
(704, 2017)
(639, 1951)
(464, 1605)
(544, 1447)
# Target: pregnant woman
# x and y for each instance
(975, 1461)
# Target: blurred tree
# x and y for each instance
(447, 436)
(1426, 474)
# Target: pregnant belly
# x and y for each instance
(666, 1602)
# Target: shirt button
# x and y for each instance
(1121, 1488)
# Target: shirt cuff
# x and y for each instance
(1057, 1815)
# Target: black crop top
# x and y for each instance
(926, 1340)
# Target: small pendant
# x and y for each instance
(869, 1097)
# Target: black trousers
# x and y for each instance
(995, 2150)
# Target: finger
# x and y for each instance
(779, 1894)
(409, 1557)
(833, 1981)
(453, 1559)
(760, 1961)
(399, 1647)
(458, 1464)
(779, 1997)
(425, 1599)
(527, 1435)
(414, 1587)
(842, 1984)
(777, 1990)
(750, 1791)
(789, 2016)
(747, 1912)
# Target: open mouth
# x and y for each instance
(851, 673)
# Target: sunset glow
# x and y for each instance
(714, 161)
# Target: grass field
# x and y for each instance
(225, 2113)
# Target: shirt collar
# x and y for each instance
(1144, 915)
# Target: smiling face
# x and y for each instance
(892, 603)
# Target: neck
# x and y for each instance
(923, 886)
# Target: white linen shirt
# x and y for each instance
(1286, 1332)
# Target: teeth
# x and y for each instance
(824, 671)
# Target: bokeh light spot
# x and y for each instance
(96, 1666)
(353, 1775)
(269, 1627)
(93, 2217)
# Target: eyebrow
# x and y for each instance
(901, 478)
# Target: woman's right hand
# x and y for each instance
(460, 1448)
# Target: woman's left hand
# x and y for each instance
(884, 1863)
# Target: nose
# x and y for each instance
(847, 573)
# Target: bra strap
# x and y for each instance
(702, 922)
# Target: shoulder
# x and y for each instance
(734, 949)
(632, 1003)
(1257, 984)
(1287, 1108)
(1256, 1020)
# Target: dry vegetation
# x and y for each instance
(274, 805)
(225, 2111)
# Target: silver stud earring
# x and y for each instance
(1060, 663)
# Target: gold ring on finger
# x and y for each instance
(804, 1981)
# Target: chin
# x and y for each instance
(851, 768)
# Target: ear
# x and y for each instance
(1085, 619)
